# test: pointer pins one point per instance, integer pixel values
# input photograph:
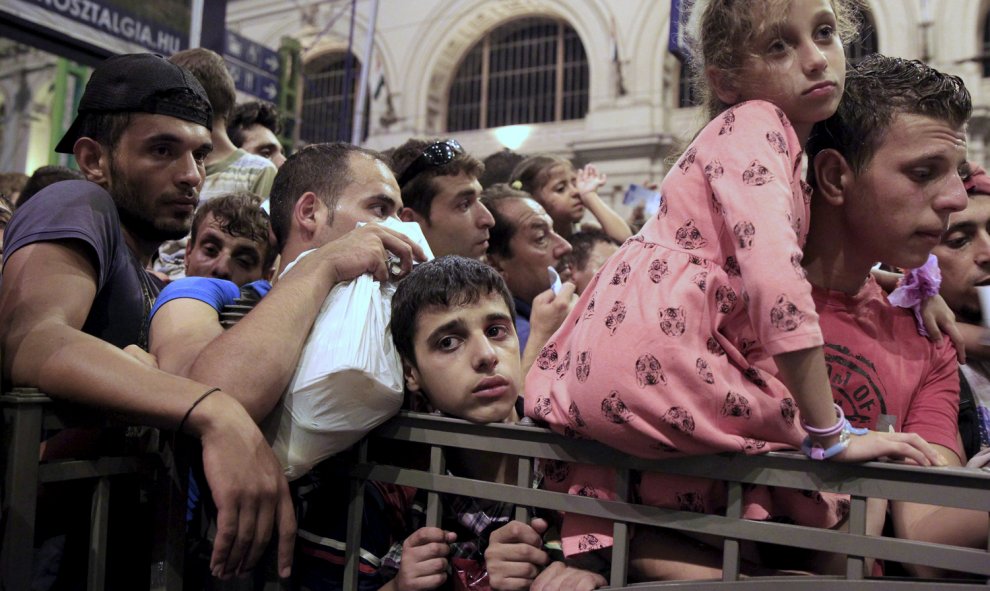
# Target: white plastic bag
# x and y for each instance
(349, 376)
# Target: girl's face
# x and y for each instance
(798, 65)
(560, 196)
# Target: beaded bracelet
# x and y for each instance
(815, 451)
(828, 431)
(182, 423)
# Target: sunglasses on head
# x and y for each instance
(435, 155)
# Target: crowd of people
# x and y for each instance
(746, 315)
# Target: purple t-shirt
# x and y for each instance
(84, 213)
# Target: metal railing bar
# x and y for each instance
(355, 520)
(21, 439)
(101, 467)
(524, 478)
(937, 555)
(806, 583)
(938, 486)
(730, 547)
(620, 534)
(168, 554)
(99, 525)
(855, 565)
(434, 512)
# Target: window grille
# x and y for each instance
(866, 42)
(531, 70)
(327, 106)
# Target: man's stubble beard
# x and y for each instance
(132, 215)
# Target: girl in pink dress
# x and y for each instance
(700, 334)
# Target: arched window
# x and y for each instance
(328, 99)
(530, 70)
(866, 42)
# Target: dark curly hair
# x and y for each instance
(252, 113)
(879, 88)
(419, 192)
(240, 215)
(445, 282)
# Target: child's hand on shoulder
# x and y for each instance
(589, 180)
(424, 559)
(939, 318)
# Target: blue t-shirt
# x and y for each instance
(83, 213)
(215, 292)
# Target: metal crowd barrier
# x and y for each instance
(27, 415)
(951, 487)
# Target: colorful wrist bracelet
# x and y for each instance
(827, 431)
(815, 451)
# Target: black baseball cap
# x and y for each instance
(136, 83)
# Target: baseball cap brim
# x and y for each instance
(68, 141)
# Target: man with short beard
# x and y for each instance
(74, 291)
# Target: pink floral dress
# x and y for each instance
(669, 350)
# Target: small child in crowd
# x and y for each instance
(700, 334)
(565, 193)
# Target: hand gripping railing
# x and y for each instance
(951, 487)
(27, 414)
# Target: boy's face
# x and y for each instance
(964, 257)
(458, 222)
(215, 253)
(468, 362)
(260, 140)
(912, 183)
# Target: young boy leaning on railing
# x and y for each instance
(452, 323)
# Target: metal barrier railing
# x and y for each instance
(26, 412)
(27, 415)
(950, 487)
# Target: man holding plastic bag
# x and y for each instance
(349, 376)
(318, 199)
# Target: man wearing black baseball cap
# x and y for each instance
(74, 291)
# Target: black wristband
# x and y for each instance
(182, 423)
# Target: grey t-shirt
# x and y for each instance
(83, 212)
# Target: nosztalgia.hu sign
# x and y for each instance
(156, 26)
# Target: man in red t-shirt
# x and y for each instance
(886, 171)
